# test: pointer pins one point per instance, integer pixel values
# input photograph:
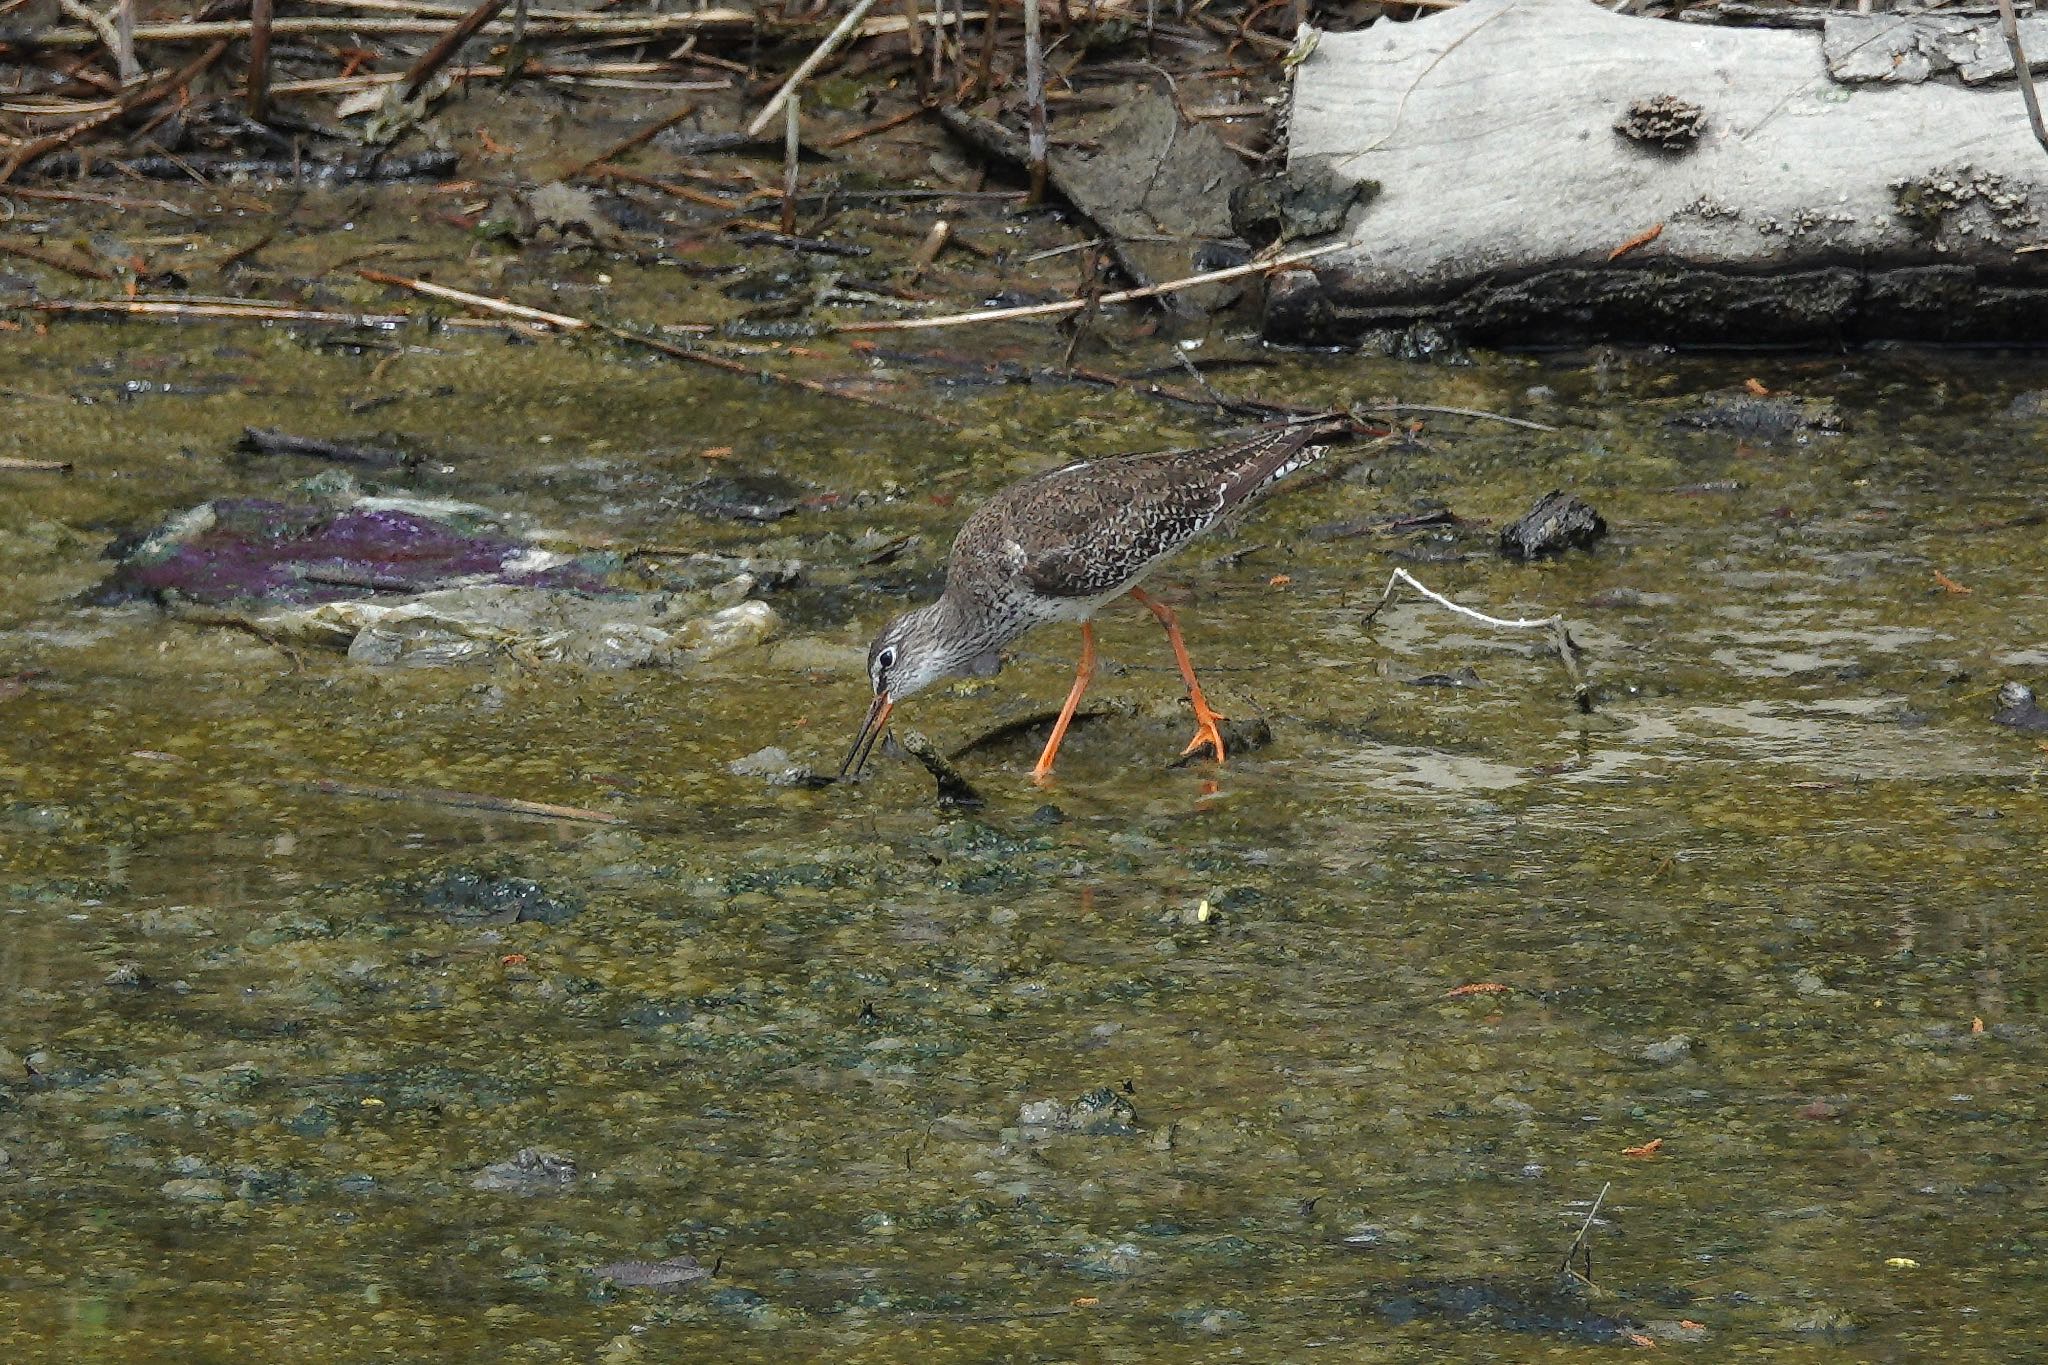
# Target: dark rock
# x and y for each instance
(1425, 342)
(467, 896)
(1303, 201)
(1464, 677)
(778, 769)
(2017, 708)
(1558, 522)
(725, 498)
(1664, 122)
(2029, 406)
(1548, 1309)
(1102, 1112)
(532, 1171)
(676, 1272)
(1761, 417)
(1668, 1051)
(269, 441)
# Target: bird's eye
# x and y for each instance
(886, 660)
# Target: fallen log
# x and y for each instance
(1549, 172)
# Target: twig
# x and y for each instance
(810, 64)
(1459, 412)
(1641, 239)
(1091, 294)
(97, 22)
(543, 24)
(679, 191)
(855, 135)
(935, 239)
(125, 65)
(1567, 648)
(142, 96)
(792, 147)
(86, 197)
(1047, 310)
(1265, 407)
(436, 57)
(370, 80)
(1584, 1228)
(260, 15)
(436, 796)
(194, 614)
(20, 466)
(923, 76)
(645, 135)
(1201, 380)
(483, 301)
(2009, 21)
(1034, 100)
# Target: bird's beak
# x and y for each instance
(870, 732)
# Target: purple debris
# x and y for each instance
(256, 548)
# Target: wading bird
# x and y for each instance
(1057, 547)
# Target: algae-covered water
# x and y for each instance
(1153, 1064)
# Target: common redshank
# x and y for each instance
(1059, 545)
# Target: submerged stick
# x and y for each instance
(624, 145)
(668, 348)
(809, 64)
(1047, 310)
(1458, 412)
(249, 310)
(715, 201)
(436, 796)
(869, 130)
(41, 255)
(1567, 648)
(1584, 1228)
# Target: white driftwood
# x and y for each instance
(1873, 207)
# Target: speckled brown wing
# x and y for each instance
(1091, 530)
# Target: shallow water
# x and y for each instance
(1775, 903)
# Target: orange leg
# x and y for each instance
(1082, 674)
(1206, 733)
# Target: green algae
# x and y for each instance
(247, 1080)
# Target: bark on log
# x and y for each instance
(1551, 172)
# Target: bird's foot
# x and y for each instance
(1207, 735)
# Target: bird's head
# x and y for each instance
(914, 651)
